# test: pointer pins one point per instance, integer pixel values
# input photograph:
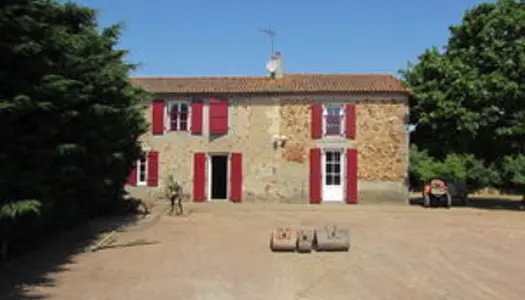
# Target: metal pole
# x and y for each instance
(271, 34)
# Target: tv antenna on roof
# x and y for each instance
(271, 33)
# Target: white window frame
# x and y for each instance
(168, 115)
(341, 164)
(342, 128)
(145, 182)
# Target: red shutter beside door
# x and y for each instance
(316, 111)
(351, 176)
(236, 177)
(218, 116)
(132, 177)
(153, 168)
(315, 175)
(351, 124)
(157, 120)
(196, 117)
(199, 177)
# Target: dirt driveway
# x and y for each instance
(220, 251)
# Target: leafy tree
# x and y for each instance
(468, 99)
(10, 214)
(70, 116)
(514, 173)
(454, 167)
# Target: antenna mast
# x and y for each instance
(272, 35)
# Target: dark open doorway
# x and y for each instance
(219, 177)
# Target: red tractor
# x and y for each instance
(436, 194)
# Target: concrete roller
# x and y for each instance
(332, 238)
(305, 240)
(283, 239)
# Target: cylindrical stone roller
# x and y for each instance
(305, 240)
(332, 238)
(283, 239)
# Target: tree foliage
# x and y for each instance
(468, 99)
(513, 173)
(454, 167)
(69, 115)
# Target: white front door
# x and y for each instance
(333, 175)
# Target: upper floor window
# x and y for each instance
(178, 114)
(333, 117)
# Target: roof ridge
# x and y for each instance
(261, 76)
(290, 83)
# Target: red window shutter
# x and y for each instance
(350, 115)
(132, 177)
(199, 177)
(218, 116)
(153, 168)
(351, 176)
(236, 177)
(157, 120)
(196, 117)
(315, 175)
(317, 120)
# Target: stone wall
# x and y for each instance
(381, 141)
(281, 174)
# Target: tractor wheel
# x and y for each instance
(465, 201)
(426, 200)
(447, 200)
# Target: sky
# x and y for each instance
(223, 37)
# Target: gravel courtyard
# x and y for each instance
(220, 251)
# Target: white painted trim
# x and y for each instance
(167, 117)
(145, 182)
(342, 171)
(208, 176)
(206, 117)
(228, 175)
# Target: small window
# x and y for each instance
(333, 120)
(142, 170)
(178, 113)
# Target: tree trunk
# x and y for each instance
(4, 244)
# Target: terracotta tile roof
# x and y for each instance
(289, 83)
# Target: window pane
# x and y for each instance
(333, 129)
(183, 125)
(337, 180)
(184, 107)
(174, 108)
(330, 168)
(142, 169)
(337, 157)
(330, 119)
(329, 179)
(333, 124)
(183, 121)
(329, 156)
(337, 168)
(173, 122)
(334, 111)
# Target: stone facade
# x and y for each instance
(281, 174)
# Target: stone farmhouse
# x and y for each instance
(295, 138)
